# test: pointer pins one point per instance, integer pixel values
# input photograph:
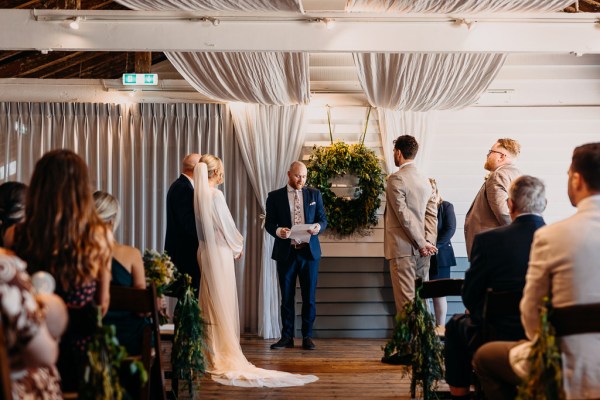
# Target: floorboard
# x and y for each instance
(347, 369)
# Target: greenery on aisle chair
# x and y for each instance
(545, 380)
(187, 357)
(104, 356)
(415, 334)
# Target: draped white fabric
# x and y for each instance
(395, 123)
(135, 154)
(452, 6)
(214, 5)
(425, 81)
(273, 78)
(270, 138)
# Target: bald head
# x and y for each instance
(297, 175)
(188, 164)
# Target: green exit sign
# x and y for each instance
(140, 79)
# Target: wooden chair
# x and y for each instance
(143, 301)
(6, 390)
(498, 304)
(439, 288)
(576, 319)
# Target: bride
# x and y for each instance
(220, 243)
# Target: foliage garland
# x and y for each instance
(187, 356)
(415, 334)
(545, 380)
(348, 216)
(103, 360)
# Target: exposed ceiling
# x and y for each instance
(111, 65)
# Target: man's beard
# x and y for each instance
(487, 166)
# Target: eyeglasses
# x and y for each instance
(494, 151)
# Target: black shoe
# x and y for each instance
(398, 359)
(283, 343)
(307, 344)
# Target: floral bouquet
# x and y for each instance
(161, 271)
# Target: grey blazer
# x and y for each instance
(489, 209)
(410, 213)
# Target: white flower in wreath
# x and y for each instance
(11, 300)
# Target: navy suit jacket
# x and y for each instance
(279, 216)
(181, 240)
(499, 260)
(445, 230)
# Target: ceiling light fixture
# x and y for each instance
(74, 23)
(213, 20)
(328, 22)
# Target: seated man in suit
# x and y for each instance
(499, 261)
(564, 265)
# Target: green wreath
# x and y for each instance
(347, 216)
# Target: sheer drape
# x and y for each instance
(452, 6)
(270, 138)
(395, 123)
(135, 154)
(273, 78)
(214, 5)
(425, 81)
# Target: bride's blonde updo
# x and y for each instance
(214, 165)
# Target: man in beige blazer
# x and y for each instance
(410, 222)
(563, 265)
(489, 210)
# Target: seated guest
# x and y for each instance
(12, 209)
(440, 263)
(31, 345)
(564, 266)
(127, 270)
(499, 261)
(63, 235)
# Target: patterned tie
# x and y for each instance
(297, 209)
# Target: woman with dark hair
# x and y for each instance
(12, 208)
(63, 235)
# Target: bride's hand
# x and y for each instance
(239, 255)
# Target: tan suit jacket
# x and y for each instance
(489, 210)
(564, 261)
(410, 213)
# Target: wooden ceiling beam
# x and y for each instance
(75, 62)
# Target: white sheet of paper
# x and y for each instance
(300, 233)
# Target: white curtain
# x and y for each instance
(395, 123)
(425, 81)
(135, 152)
(272, 78)
(214, 5)
(453, 6)
(270, 138)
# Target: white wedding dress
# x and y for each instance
(220, 242)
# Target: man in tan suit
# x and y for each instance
(410, 222)
(489, 210)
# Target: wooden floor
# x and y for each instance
(347, 368)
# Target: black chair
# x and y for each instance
(439, 288)
(143, 301)
(498, 304)
(576, 319)
(6, 390)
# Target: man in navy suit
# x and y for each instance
(499, 260)
(181, 240)
(292, 205)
